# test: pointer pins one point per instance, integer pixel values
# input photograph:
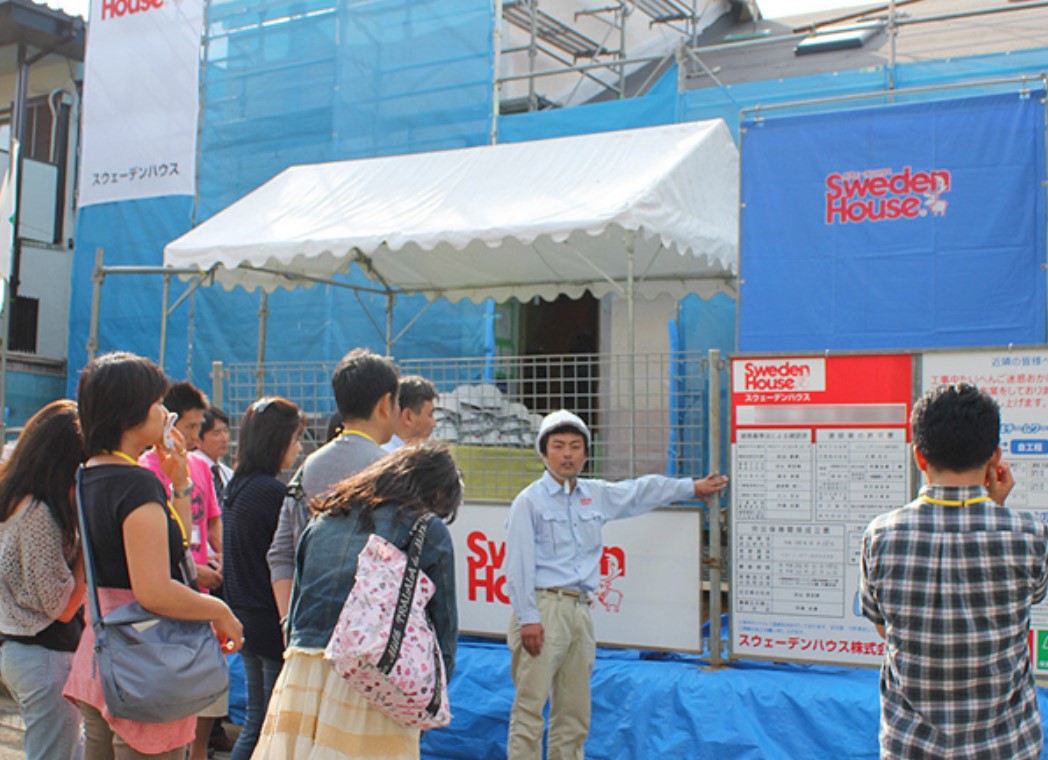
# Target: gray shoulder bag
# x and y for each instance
(153, 669)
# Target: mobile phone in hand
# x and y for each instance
(169, 425)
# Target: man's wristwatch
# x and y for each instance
(179, 493)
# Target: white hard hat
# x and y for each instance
(561, 418)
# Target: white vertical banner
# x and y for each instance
(141, 99)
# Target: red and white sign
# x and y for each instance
(813, 461)
(877, 195)
(649, 571)
(141, 100)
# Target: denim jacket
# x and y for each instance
(326, 567)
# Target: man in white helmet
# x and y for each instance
(553, 550)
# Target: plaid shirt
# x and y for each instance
(953, 587)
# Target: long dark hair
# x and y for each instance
(415, 478)
(268, 427)
(43, 465)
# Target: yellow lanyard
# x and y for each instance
(360, 433)
(121, 455)
(954, 502)
(170, 507)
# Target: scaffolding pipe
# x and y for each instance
(893, 35)
(966, 85)
(496, 81)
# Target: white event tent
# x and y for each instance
(643, 211)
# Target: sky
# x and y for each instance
(769, 8)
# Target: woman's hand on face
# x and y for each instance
(174, 461)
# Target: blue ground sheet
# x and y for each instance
(656, 705)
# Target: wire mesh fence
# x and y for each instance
(647, 412)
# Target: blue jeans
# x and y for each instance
(35, 677)
(260, 673)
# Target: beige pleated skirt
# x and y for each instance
(314, 714)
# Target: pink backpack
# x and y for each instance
(384, 643)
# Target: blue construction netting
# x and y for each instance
(286, 83)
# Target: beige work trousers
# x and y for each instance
(561, 674)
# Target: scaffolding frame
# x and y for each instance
(688, 53)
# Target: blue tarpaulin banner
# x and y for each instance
(895, 227)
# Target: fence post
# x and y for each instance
(714, 448)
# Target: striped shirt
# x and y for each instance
(953, 587)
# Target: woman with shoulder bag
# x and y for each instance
(136, 542)
(268, 443)
(42, 579)
(314, 714)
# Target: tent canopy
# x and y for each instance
(518, 220)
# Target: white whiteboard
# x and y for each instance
(653, 604)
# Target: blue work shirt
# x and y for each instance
(554, 539)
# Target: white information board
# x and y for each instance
(1018, 380)
(819, 448)
(649, 595)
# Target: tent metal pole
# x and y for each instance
(97, 278)
(713, 447)
(391, 298)
(163, 320)
(260, 362)
(412, 321)
(189, 334)
(631, 347)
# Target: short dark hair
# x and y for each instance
(360, 380)
(184, 397)
(114, 394)
(956, 427)
(43, 465)
(565, 428)
(414, 391)
(211, 414)
(417, 478)
(267, 429)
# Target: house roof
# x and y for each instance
(929, 30)
(23, 22)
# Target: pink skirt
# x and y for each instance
(83, 686)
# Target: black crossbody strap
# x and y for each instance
(407, 593)
(89, 560)
(85, 547)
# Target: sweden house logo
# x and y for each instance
(877, 195)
